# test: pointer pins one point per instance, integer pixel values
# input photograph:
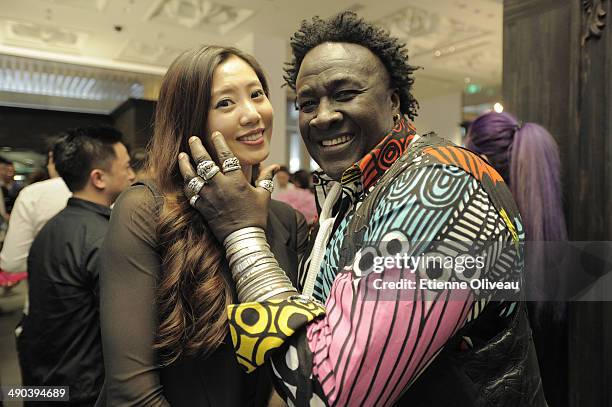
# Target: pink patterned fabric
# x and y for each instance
(367, 349)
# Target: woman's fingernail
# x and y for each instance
(181, 155)
(192, 139)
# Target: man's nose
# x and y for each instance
(326, 116)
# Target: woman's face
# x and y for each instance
(241, 111)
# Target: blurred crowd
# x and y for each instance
(296, 190)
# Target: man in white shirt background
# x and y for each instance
(34, 206)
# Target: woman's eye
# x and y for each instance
(223, 103)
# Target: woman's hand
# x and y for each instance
(226, 201)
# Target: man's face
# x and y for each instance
(120, 175)
(10, 173)
(282, 178)
(346, 105)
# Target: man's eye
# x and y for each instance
(345, 95)
(257, 93)
(223, 103)
(306, 105)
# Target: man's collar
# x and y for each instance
(362, 175)
(89, 205)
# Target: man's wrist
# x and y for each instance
(254, 268)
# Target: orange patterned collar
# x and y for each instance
(374, 164)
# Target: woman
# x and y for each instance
(527, 157)
(164, 282)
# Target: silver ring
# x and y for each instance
(231, 164)
(266, 184)
(203, 167)
(193, 200)
(195, 185)
(208, 175)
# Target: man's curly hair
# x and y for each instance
(348, 27)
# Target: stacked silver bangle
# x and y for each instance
(255, 271)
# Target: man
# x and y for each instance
(4, 164)
(9, 188)
(281, 182)
(34, 206)
(60, 344)
(384, 191)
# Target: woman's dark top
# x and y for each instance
(130, 269)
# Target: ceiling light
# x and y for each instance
(498, 107)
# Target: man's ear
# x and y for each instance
(395, 100)
(96, 176)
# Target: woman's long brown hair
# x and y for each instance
(192, 293)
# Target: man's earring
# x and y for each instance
(396, 118)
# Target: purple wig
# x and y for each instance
(527, 157)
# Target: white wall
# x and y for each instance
(442, 115)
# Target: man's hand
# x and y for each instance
(227, 201)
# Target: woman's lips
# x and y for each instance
(252, 139)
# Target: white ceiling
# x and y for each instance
(455, 41)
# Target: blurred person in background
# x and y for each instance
(3, 190)
(10, 188)
(300, 197)
(37, 176)
(527, 157)
(60, 342)
(302, 179)
(139, 159)
(282, 182)
(34, 206)
(164, 282)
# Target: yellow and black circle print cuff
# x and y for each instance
(258, 328)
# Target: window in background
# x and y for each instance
(298, 155)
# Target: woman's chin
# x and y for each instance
(253, 158)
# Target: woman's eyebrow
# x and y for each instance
(233, 87)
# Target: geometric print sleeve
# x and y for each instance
(258, 328)
(372, 343)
